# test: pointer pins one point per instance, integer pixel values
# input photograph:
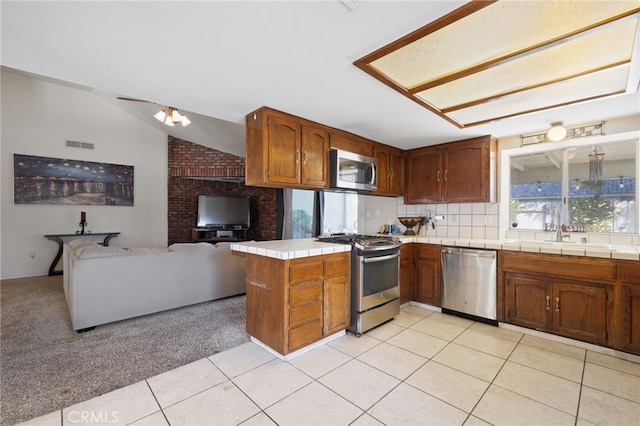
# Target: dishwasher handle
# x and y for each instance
(379, 258)
(486, 254)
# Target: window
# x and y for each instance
(580, 186)
(340, 212)
(298, 216)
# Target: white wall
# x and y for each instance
(37, 119)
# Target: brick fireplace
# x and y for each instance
(195, 170)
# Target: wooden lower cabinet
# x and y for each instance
(629, 302)
(580, 311)
(570, 309)
(539, 296)
(294, 303)
(336, 303)
(407, 272)
(528, 302)
(420, 273)
(427, 285)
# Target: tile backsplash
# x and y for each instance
(467, 220)
(480, 221)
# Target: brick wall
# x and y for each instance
(189, 166)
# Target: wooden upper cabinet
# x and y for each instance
(351, 143)
(423, 180)
(456, 172)
(285, 151)
(314, 147)
(390, 169)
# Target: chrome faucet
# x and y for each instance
(555, 212)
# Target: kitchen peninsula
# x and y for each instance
(298, 293)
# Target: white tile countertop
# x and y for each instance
(292, 249)
(289, 249)
(608, 251)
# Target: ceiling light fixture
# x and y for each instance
(171, 116)
(490, 60)
(557, 132)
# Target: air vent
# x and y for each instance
(83, 145)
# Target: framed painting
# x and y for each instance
(45, 180)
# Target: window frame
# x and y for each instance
(505, 170)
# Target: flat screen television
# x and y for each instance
(219, 211)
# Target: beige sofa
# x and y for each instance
(106, 284)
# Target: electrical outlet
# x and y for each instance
(454, 219)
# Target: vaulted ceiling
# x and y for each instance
(219, 60)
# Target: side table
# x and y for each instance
(62, 238)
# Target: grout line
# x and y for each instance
(584, 369)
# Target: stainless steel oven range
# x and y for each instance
(375, 268)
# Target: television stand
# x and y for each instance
(216, 235)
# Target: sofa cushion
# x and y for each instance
(82, 242)
(190, 246)
(147, 250)
(100, 251)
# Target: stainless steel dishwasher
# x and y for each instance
(469, 283)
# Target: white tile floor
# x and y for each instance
(423, 368)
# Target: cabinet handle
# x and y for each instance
(297, 155)
(557, 304)
(438, 176)
(390, 172)
(548, 307)
(445, 174)
(305, 158)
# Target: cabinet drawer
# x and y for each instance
(305, 335)
(305, 270)
(630, 272)
(301, 314)
(337, 264)
(310, 291)
(577, 267)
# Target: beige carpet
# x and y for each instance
(45, 365)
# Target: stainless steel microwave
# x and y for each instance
(353, 171)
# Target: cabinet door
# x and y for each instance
(283, 150)
(528, 302)
(396, 172)
(466, 170)
(427, 289)
(314, 167)
(630, 330)
(382, 155)
(580, 312)
(407, 273)
(423, 182)
(337, 304)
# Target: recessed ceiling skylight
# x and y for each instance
(489, 60)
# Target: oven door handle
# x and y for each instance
(379, 258)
